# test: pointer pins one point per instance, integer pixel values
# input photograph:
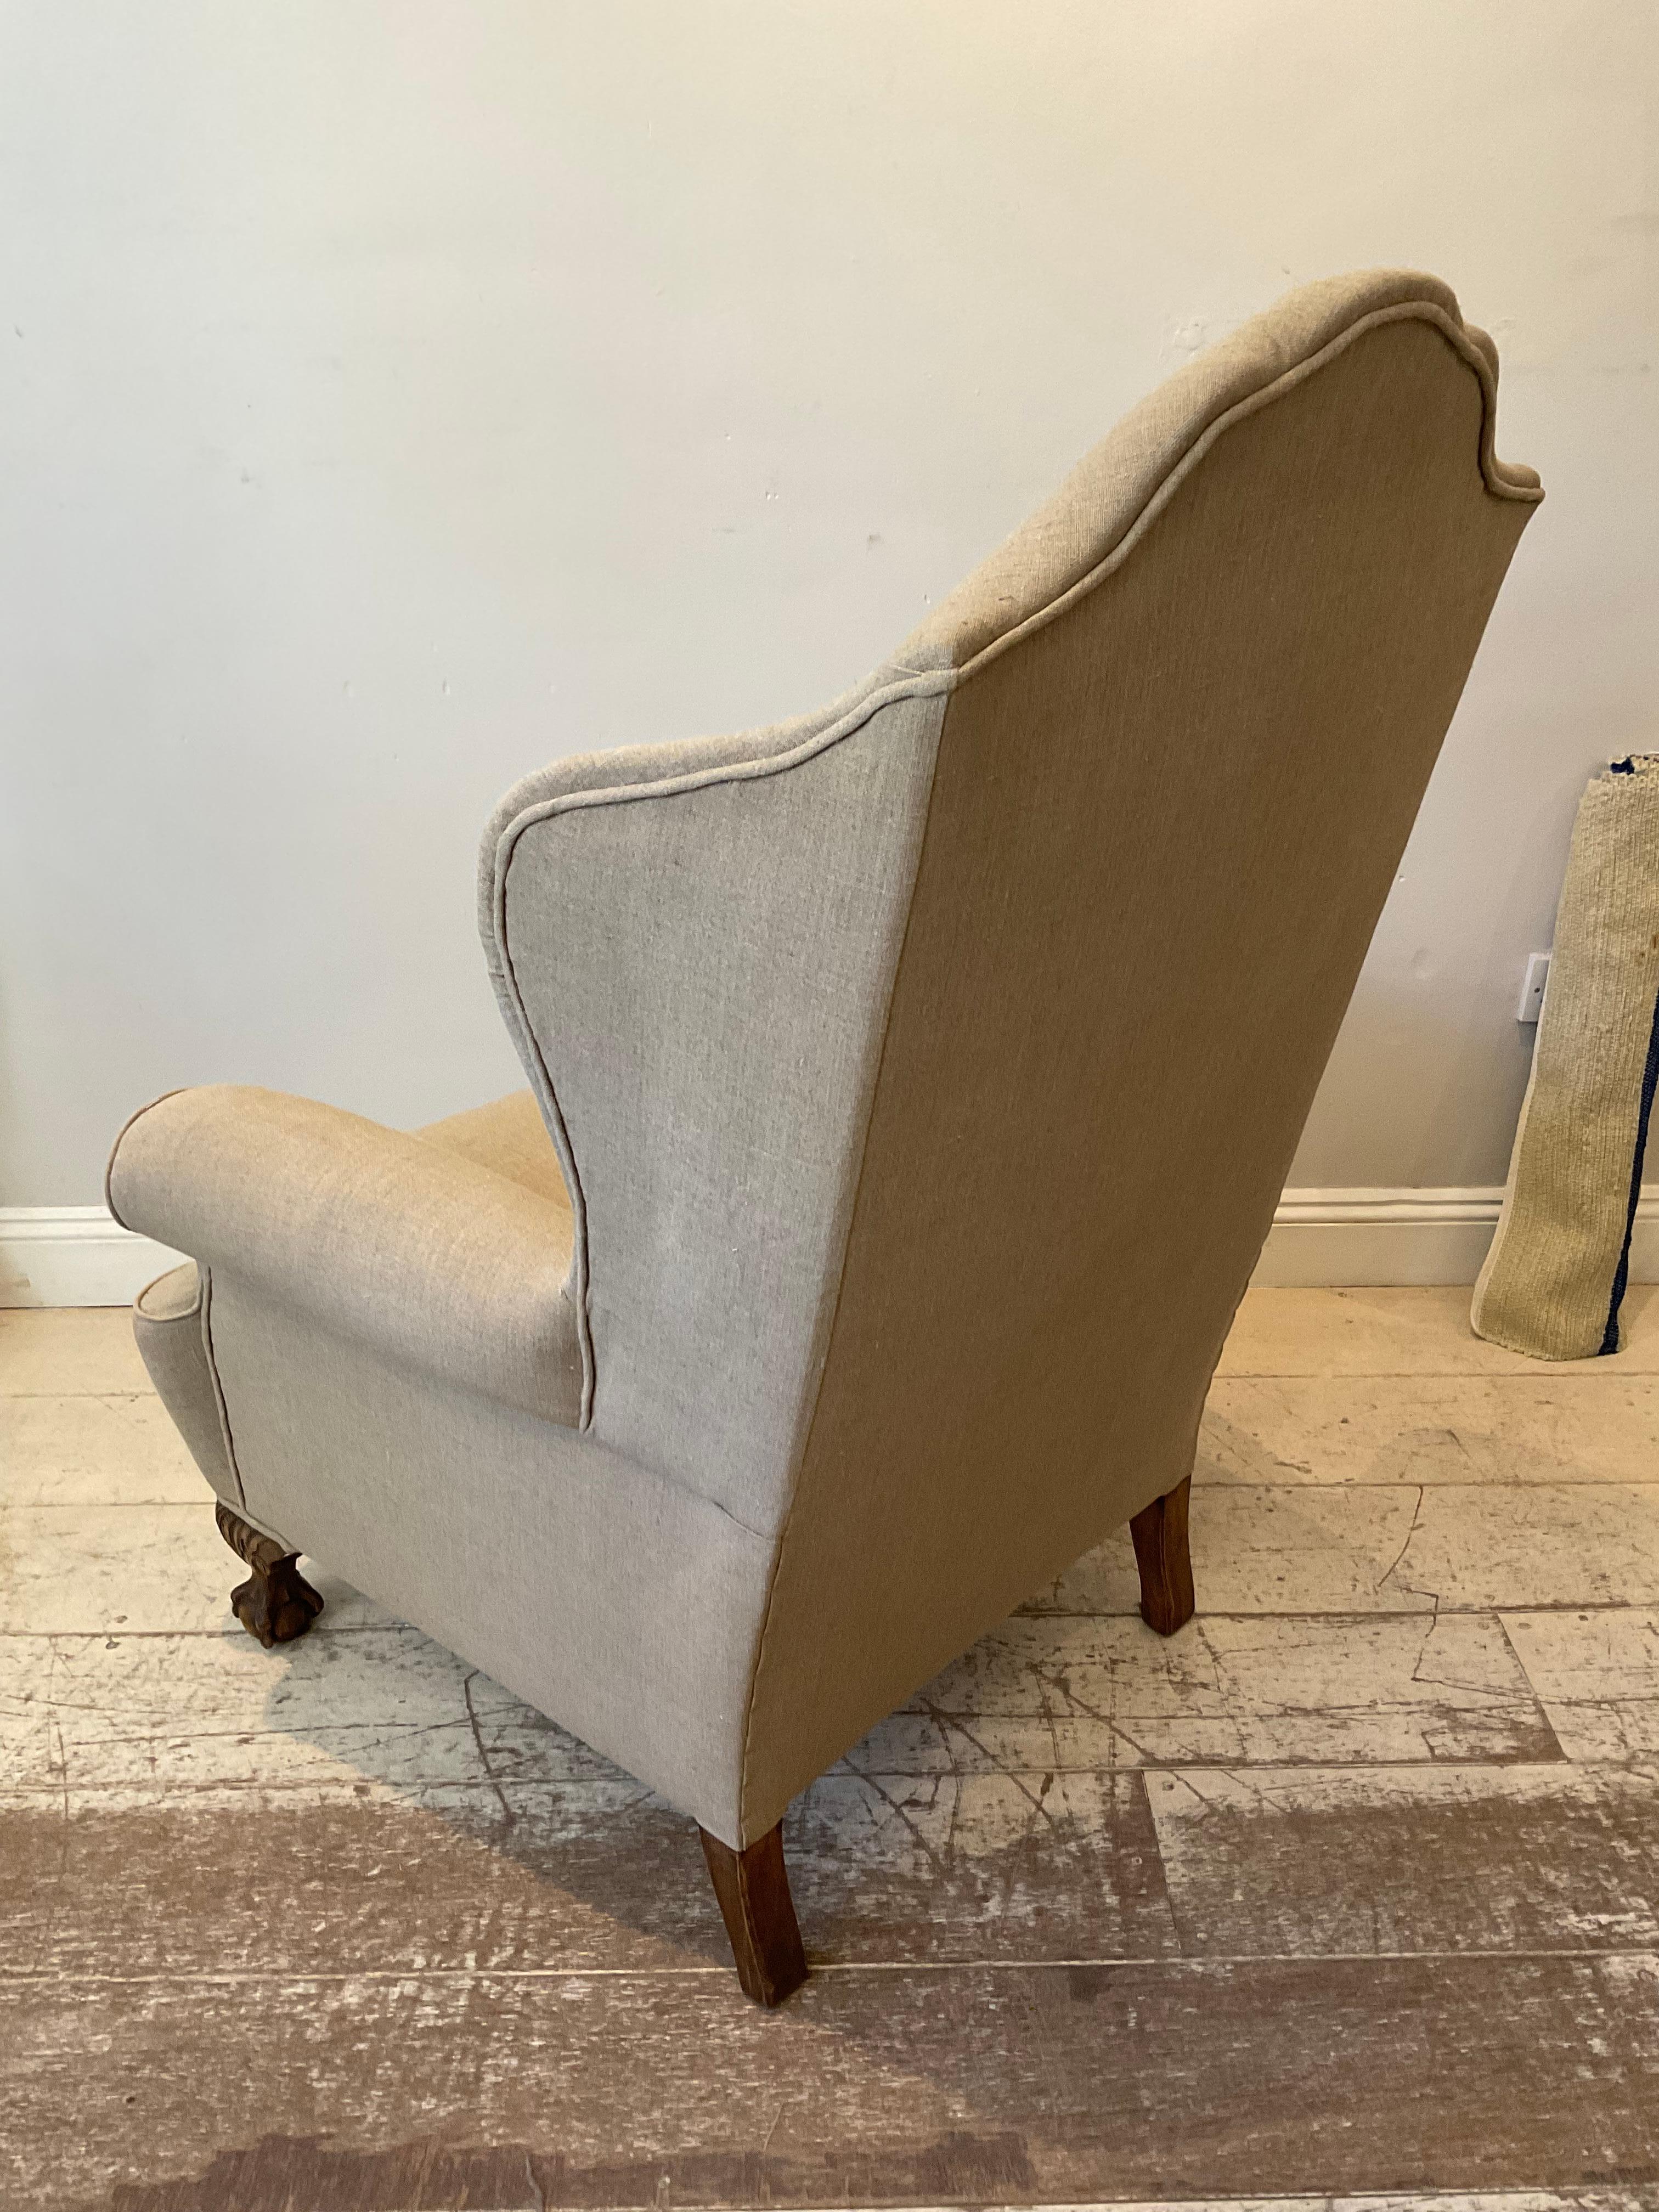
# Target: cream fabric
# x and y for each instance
(435, 1260)
(509, 1138)
(1555, 1276)
(922, 1076)
(695, 972)
(169, 1321)
(620, 1604)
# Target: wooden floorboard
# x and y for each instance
(538, 1877)
(1597, 1676)
(1195, 1862)
(88, 1449)
(1077, 1690)
(1018, 2084)
(1394, 1547)
(1346, 1896)
(149, 1715)
(1540, 1427)
(1406, 1332)
(70, 1349)
(1300, 1863)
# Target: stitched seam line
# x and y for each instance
(1241, 409)
(203, 1292)
(127, 1127)
(205, 1277)
(548, 1099)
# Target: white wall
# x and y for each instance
(397, 397)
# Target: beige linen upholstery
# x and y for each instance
(912, 1087)
(510, 1137)
(419, 1251)
(169, 1320)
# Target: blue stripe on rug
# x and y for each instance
(1621, 1274)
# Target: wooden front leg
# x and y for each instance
(275, 1604)
(753, 1889)
(1166, 1564)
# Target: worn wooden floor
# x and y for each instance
(1352, 1890)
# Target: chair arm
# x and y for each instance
(429, 1258)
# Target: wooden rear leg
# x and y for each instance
(753, 1889)
(275, 1604)
(1166, 1564)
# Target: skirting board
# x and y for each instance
(1363, 1239)
(76, 1255)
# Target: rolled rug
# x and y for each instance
(1555, 1276)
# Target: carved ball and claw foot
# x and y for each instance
(1165, 1563)
(275, 1604)
(753, 1889)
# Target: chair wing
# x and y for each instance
(694, 947)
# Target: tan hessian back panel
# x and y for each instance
(1163, 826)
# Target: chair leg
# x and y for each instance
(1165, 1563)
(275, 1604)
(753, 1889)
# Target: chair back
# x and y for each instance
(1196, 700)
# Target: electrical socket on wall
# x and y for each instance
(1532, 991)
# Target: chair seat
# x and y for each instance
(508, 1137)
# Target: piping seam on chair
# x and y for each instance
(204, 1276)
(127, 1127)
(920, 683)
(1411, 311)
(204, 1290)
(548, 1099)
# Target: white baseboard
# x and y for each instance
(1362, 1239)
(76, 1255)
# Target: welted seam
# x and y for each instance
(1264, 396)
(548, 1100)
(923, 683)
(204, 1280)
(127, 1127)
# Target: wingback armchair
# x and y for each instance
(911, 1086)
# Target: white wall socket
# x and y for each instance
(1532, 991)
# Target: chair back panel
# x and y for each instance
(1163, 824)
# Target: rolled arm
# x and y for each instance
(428, 1257)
